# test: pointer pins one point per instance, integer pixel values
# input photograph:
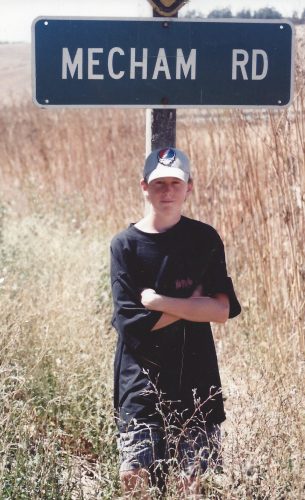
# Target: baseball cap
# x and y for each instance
(168, 162)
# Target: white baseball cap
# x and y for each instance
(167, 162)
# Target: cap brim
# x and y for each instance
(163, 171)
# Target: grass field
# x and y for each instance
(69, 179)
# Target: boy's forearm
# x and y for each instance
(197, 309)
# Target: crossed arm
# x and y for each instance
(195, 308)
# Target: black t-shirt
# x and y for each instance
(172, 373)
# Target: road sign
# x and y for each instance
(162, 63)
(167, 7)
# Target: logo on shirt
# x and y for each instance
(166, 156)
(183, 283)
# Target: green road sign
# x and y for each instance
(162, 63)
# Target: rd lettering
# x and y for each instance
(253, 65)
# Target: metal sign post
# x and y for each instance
(160, 123)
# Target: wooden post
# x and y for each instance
(160, 123)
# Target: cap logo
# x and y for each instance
(167, 156)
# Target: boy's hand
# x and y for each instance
(150, 299)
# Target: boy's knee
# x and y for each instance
(136, 479)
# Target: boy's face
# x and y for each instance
(166, 194)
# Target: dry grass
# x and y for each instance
(68, 181)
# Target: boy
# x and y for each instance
(169, 281)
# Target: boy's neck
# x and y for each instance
(151, 223)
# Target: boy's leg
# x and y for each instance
(135, 482)
(141, 452)
(198, 451)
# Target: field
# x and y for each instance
(69, 179)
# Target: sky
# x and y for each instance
(16, 16)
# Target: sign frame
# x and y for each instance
(165, 20)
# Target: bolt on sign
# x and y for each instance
(167, 7)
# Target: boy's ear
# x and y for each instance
(143, 184)
(189, 186)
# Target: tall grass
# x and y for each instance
(69, 179)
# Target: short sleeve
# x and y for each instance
(130, 318)
(216, 280)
